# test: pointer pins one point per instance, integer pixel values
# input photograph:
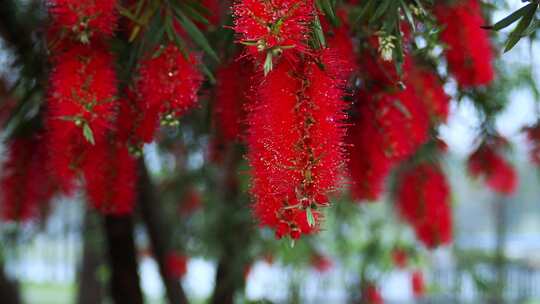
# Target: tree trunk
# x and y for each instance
(124, 281)
(91, 289)
(234, 233)
(150, 213)
(9, 289)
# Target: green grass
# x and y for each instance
(48, 293)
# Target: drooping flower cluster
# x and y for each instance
(434, 98)
(295, 145)
(423, 201)
(232, 90)
(136, 124)
(389, 127)
(81, 99)
(110, 173)
(371, 295)
(321, 263)
(84, 19)
(276, 25)
(488, 164)
(417, 284)
(400, 257)
(176, 265)
(25, 185)
(82, 108)
(340, 41)
(389, 123)
(469, 51)
(83, 90)
(169, 82)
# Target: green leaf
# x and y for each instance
(126, 13)
(88, 134)
(172, 35)
(365, 10)
(310, 217)
(193, 13)
(408, 15)
(319, 35)
(208, 73)
(516, 34)
(329, 12)
(267, 67)
(513, 17)
(197, 36)
(381, 10)
(531, 29)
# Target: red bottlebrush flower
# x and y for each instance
(136, 124)
(272, 154)
(400, 258)
(81, 107)
(423, 200)
(110, 173)
(368, 165)
(25, 186)
(85, 18)
(191, 202)
(378, 73)
(341, 43)
(176, 265)
(169, 82)
(432, 94)
(83, 89)
(469, 53)
(533, 136)
(488, 164)
(371, 295)
(417, 284)
(273, 25)
(295, 146)
(321, 263)
(389, 127)
(233, 84)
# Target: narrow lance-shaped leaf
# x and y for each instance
(517, 33)
(197, 36)
(88, 134)
(508, 20)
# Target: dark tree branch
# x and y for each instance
(91, 290)
(234, 233)
(149, 208)
(124, 281)
(9, 289)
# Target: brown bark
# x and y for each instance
(9, 289)
(91, 289)
(124, 281)
(149, 209)
(234, 234)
